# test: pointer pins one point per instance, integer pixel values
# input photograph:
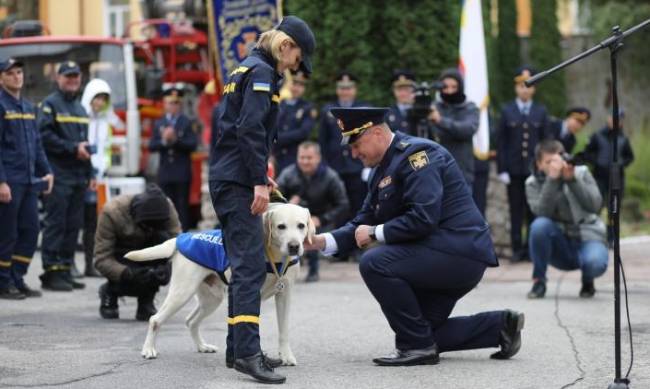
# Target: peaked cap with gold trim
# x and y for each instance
(353, 122)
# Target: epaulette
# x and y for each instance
(402, 145)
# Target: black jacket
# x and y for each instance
(63, 123)
(295, 123)
(323, 194)
(175, 158)
(245, 122)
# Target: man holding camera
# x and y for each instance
(63, 123)
(133, 222)
(567, 232)
(24, 172)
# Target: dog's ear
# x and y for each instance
(311, 227)
(267, 219)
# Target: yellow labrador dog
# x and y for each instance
(286, 226)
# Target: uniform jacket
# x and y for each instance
(323, 194)
(421, 197)
(567, 139)
(295, 123)
(175, 158)
(598, 151)
(117, 234)
(63, 123)
(246, 122)
(22, 158)
(572, 205)
(517, 137)
(397, 120)
(455, 132)
(335, 155)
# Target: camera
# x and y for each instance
(576, 159)
(418, 115)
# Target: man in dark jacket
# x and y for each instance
(133, 222)
(404, 92)
(455, 121)
(23, 167)
(175, 140)
(565, 130)
(63, 123)
(311, 184)
(296, 118)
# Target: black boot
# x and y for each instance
(69, 278)
(90, 270)
(11, 293)
(55, 280)
(272, 362)
(146, 309)
(588, 290)
(256, 367)
(510, 339)
(108, 308)
(29, 292)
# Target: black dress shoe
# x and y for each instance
(29, 292)
(256, 367)
(510, 339)
(54, 280)
(67, 276)
(538, 291)
(11, 293)
(272, 362)
(423, 356)
(588, 290)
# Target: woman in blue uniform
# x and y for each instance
(239, 187)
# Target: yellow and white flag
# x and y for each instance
(473, 66)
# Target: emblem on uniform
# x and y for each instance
(391, 118)
(385, 182)
(340, 123)
(300, 113)
(71, 64)
(419, 160)
(314, 113)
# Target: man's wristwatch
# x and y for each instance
(372, 233)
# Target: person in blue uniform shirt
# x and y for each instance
(239, 187)
(296, 119)
(403, 82)
(522, 125)
(24, 171)
(565, 130)
(174, 138)
(63, 123)
(427, 244)
(338, 156)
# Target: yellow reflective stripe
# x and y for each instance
(57, 267)
(229, 88)
(72, 119)
(23, 116)
(241, 69)
(5, 263)
(20, 258)
(244, 319)
(275, 98)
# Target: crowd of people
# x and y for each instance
(406, 201)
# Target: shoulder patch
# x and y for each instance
(402, 145)
(419, 160)
(261, 87)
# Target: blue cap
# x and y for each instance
(9, 63)
(353, 122)
(300, 32)
(69, 67)
(523, 73)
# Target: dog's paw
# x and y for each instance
(208, 348)
(149, 353)
(287, 358)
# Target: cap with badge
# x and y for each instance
(67, 68)
(581, 114)
(403, 77)
(345, 79)
(353, 122)
(173, 91)
(10, 63)
(524, 73)
(300, 32)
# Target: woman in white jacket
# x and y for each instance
(96, 99)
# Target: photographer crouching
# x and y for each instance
(567, 232)
(133, 222)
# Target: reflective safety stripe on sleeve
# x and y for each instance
(244, 319)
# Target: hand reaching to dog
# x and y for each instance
(317, 243)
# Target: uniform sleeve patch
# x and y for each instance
(419, 160)
(261, 87)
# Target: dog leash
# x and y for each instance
(279, 284)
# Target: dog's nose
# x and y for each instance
(293, 248)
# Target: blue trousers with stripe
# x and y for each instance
(18, 234)
(417, 287)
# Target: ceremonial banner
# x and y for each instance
(473, 66)
(234, 28)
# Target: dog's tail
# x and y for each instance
(163, 250)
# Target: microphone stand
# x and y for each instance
(614, 43)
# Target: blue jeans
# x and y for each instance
(549, 245)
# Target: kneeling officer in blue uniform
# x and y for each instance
(427, 244)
